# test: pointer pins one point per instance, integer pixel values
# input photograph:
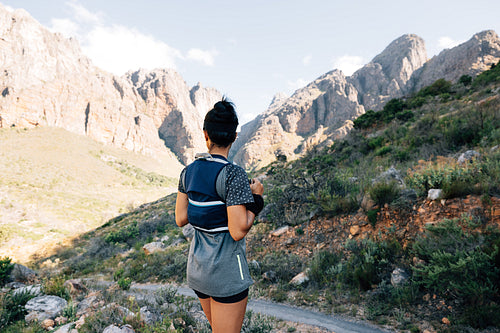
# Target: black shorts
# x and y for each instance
(229, 299)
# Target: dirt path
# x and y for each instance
(286, 312)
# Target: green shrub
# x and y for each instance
(125, 235)
(321, 267)
(454, 179)
(481, 316)
(372, 216)
(161, 326)
(5, 269)
(98, 321)
(465, 80)
(12, 306)
(256, 323)
(55, 286)
(405, 115)
(440, 86)
(490, 76)
(383, 192)
(124, 283)
(458, 262)
(367, 120)
(285, 265)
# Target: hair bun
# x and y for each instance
(223, 106)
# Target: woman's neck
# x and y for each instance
(217, 150)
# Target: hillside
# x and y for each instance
(354, 220)
(51, 192)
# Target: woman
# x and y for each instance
(217, 199)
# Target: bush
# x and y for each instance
(383, 192)
(458, 263)
(322, 267)
(256, 323)
(454, 179)
(12, 306)
(55, 286)
(285, 265)
(490, 76)
(5, 269)
(124, 283)
(440, 86)
(124, 235)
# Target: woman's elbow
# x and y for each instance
(237, 235)
(181, 220)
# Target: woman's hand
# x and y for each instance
(256, 186)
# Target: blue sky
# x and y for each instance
(251, 50)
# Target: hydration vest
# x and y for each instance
(206, 209)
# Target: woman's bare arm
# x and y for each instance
(240, 220)
(181, 207)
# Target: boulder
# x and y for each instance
(434, 194)
(270, 276)
(188, 231)
(468, 156)
(44, 307)
(48, 324)
(75, 287)
(280, 231)
(153, 247)
(22, 273)
(115, 329)
(33, 290)
(399, 277)
(299, 279)
(354, 230)
(65, 329)
(148, 316)
(390, 175)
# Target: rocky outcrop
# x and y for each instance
(323, 111)
(386, 76)
(177, 111)
(47, 81)
(470, 58)
(308, 117)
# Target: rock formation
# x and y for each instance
(386, 76)
(47, 81)
(470, 58)
(323, 110)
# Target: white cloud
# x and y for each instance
(447, 42)
(82, 14)
(348, 64)
(297, 84)
(307, 60)
(118, 49)
(205, 57)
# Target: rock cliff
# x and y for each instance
(47, 81)
(323, 110)
(470, 58)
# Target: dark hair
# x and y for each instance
(221, 123)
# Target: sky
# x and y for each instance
(252, 50)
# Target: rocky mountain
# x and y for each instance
(47, 81)
(323, 110)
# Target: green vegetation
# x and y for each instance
(5, 268)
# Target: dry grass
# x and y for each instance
(55, 185)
